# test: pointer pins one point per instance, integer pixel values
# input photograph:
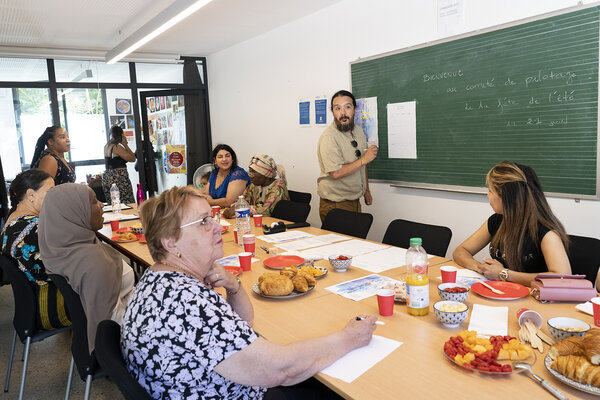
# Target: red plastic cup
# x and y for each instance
(235, 235)
(448, 274)
(258, 220)
(525, 314)
(114, 225)
(249, 243)
(385, 301)
(596, 305)
(215, 210)
(245, 260)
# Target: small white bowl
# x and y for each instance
(340, 265)
(556, 327)
(460, 297)
(450, 319)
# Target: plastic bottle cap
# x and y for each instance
(416, 241)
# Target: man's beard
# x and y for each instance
(344, 127)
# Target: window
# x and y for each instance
(166, 73)
(23, 70)
(90, 71)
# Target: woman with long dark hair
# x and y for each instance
(49, 155)
(20, 242)
(227, 181)
(116, 156)
(525, 237)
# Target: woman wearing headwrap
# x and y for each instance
(267, 186)
(69, 219)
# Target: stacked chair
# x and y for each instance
(436, 238)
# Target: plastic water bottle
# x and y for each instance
(115, 199)
(242, 219)
(417, 282)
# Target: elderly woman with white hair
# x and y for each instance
(267, 186)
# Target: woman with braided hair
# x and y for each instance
(525, 237)
(49, 155)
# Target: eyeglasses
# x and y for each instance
(357, 151)
(205, 222)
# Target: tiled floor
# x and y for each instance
(48, 364)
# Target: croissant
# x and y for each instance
(278, 285)
(300, 283)
(289, 271)
(591, 345)
(572, 345)
(267, 275)
(577, 368)
(309, 278)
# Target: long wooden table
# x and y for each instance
(418, 368)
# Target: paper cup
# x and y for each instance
(249, 242)
(596, 306)
(215, 210)
(525, 314)
(114, 225)
(235, 235)
(245, 260)
(448, 274)
(385, 301)
(258, 220)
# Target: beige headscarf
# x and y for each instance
(266, 166)
(69, 247)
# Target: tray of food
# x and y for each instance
(286, 284)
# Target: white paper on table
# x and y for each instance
(233, 260)
(488, 320)
(109, 207)
(225, 223)
(361, 288)
(402, 129)
(118, 217)
(315, 241)
(359, 361)
(284, 236)
(586, 307)
(382, 260)
(352, 247)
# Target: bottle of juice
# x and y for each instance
(417, 282)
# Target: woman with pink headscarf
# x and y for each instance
(267, 186)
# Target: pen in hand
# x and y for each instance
(377, 322)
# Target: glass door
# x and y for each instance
(175, 140)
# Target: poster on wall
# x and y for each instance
(175, 159)
(366, 117)
(304, 111)
(321, 111)
(118, 120)
(129, 135)
(123, 106)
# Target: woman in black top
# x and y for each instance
(525, 237)
(116, 155)
(49, 155)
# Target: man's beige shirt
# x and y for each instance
(334, 150)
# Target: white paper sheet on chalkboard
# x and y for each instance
(402, 129)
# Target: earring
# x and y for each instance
(178, 254)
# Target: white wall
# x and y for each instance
(255, 86)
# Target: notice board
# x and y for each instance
(524, 92)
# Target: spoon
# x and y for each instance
(527, 367)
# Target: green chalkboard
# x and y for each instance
(526, 93)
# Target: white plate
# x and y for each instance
(256, 290)
(584, 387)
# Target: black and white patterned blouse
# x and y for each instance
(175, 331)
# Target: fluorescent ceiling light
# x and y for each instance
(175, 13)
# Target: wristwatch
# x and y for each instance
(503, 275)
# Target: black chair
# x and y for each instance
(24, 317)
(300, 197)
(436, 238)
(348, 222)
(584, 256)
(108, 354)
(291, 211)
(96, 186)
(86, 363)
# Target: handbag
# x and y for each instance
(552, 287)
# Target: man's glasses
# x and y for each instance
(205, 222)
(357, 151)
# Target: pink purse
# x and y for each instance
(551, 287)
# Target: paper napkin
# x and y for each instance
(488, 320)
(586, 307)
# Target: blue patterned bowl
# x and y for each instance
(563, 327)
(340, 265)
(460, 297)
(448, 318)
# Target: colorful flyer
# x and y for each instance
(175, 159)
(321, 111)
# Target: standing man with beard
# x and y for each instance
(343, 158)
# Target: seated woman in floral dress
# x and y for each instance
(20, 242)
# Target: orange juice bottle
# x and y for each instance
(417, 282)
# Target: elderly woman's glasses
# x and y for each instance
(205, 222)
(357, 151)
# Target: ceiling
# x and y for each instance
(78, 27)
